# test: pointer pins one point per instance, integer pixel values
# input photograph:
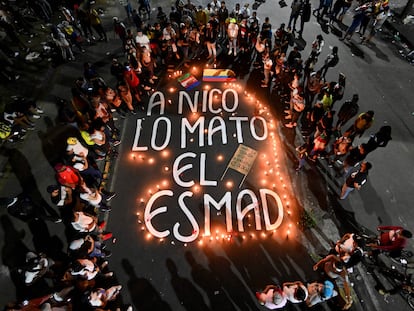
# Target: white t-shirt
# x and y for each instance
(77, 149)
(143, 40)
(270, 304)
(290, 293)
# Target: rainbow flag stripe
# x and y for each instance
(188, 81)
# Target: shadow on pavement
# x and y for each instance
(221, 269)
(187, 294)
(144, 296)
(205, 279)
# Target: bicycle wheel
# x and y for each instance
(410, 300)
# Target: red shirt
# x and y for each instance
(391, 242)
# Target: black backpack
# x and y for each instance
(334, 61)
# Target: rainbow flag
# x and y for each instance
(188, 81)
(219, 75)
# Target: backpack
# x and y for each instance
(5, 130)
(334, 61)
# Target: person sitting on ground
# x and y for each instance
(272, 297)
(296, 292)
(320, 292)
(334, 268)
(100, 297)
(88, 247)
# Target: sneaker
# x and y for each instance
(104, 264)
(147, 88)
(57, 220)
(105, 209)
(288, 117)
(107, 236)
(102, 225)
(38, 110)
(13, 201)
(36, 116)
(264, 85)
(116, 143)
(133, 112)
(107, 253)
(235, 53)
(109, 274)
(289, 125)
(229, 52)
(110, 196)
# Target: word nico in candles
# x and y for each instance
(161, 126)
(266, 198)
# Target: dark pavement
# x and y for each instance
(166, 274)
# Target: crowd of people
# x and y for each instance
(83, 280)
(337, 266)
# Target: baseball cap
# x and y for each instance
(327, 289)
(72, 140)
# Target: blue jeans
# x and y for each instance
(346, 191)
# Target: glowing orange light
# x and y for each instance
(220, 157)
(165, 183)
(229, 184)
(151, 160)
(165, 153)
(149, 236)
(166, 168)
(196, 188)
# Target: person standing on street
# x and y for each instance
(294, 13)
(127, 6)
(379, 139)
(330, 61)
(348, 110)
(356, 180)
(305, 15)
